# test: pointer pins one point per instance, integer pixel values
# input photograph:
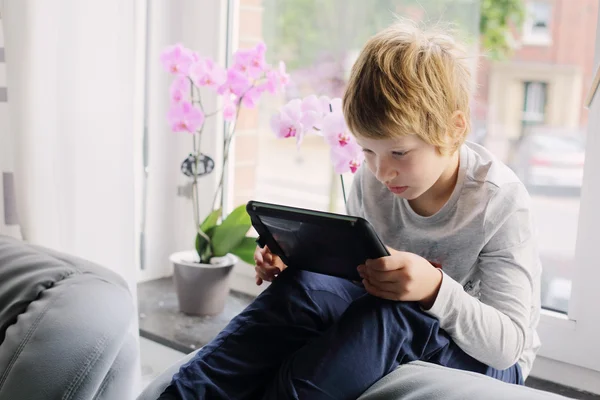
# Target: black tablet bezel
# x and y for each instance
(360, 226)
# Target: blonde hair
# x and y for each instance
(409, 81)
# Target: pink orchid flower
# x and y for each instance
(251, 97)
(258, 64)
(284, 78)
(325, 104)
(313, 112)
(205, 72)
(336, 105)
(288, 122)
(236, 83)
(276, 78)
(348, 158)
(271, 83)
(229, 108)
(335, 131)
(251, 62)
(180, 89)
(184, 117)
(298, 116)
(346, 154)
(177, 59)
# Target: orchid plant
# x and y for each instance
(240, 85)
(324, 117)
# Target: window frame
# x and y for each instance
(566, 338)
(530, 36)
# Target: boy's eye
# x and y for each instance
(398, 153)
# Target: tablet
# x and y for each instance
(322, 242)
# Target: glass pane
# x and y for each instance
(318, 41)
(527, 108)
(531, 115)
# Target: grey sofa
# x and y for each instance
(64, 328)
(414, 381)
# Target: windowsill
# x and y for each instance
(536, 41)
(555, 314)
(161, 321)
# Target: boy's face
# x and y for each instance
(407, 165)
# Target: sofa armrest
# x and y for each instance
(425, 381)
(159, 384)
(65, 327)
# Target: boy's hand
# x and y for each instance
(402, 276)
(268, 265)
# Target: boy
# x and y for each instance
(461, 286)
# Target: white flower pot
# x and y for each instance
(202, 289)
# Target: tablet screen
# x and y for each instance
(331, 248)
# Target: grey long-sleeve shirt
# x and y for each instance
(484, 239)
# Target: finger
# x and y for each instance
(375, 291)
(258, 257)
(259, 281)
(262, 274)
(270, 269)
(393, 287)
(384, 264)
(278, 262)
(382, 276)
(268, 258)
(267, 274)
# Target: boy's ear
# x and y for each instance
(458, 124)
(457, 128)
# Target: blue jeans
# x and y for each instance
(311, 336)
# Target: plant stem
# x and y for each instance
(195, 204)
(212, 113)
(333, 192)
(226, 145)
(196, 139)
(343, 188)
(195, 200)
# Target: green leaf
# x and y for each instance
(211, 220)
(231, 232)
(203, 246)
(245, 250)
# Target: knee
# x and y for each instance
(310, 281)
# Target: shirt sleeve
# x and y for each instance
(494, 328)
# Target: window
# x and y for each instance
(534, 105)
(537, 24)
(528, 110)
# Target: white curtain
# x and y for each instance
(165, 210)
(70, 68)
(85, 82)
(9, 221)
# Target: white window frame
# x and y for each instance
(570, 353)
(530, 36)
(536, 93)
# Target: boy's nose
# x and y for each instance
(384, 173)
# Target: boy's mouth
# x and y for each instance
(397, 189)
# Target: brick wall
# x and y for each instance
(573, 28)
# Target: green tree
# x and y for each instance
(498, 18)
(302, 31)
